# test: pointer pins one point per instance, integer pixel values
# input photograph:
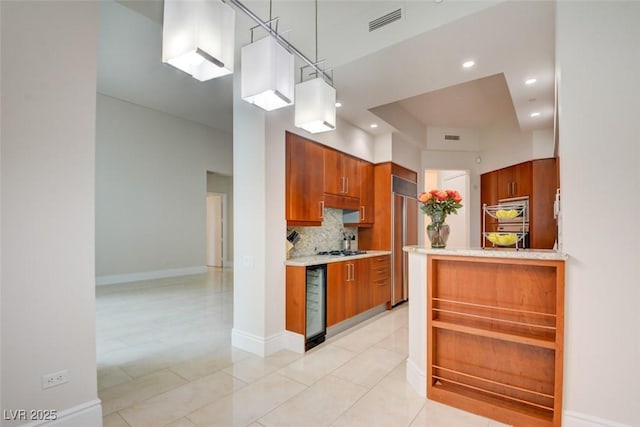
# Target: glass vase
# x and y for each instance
(438, 231)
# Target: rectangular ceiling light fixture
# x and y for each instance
(198, 37)
(267, 74)
(315, 109)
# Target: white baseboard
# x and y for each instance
(88, 414)
(262, 346)
(577, 419)
(294, 342)
(149, 275)
(416, 378)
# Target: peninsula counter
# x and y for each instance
(486, 330)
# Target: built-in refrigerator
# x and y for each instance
(404, 232)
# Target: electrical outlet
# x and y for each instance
(55, 379)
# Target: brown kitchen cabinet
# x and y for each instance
(367, 193)
(537, 179)
(365, 215)
(341, 174)
(542, 223)
(304, 200)
(347, 289)
(380, 280)
(514, 181)
(488, 196)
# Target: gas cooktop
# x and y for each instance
(343, 252)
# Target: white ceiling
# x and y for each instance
(411, 67)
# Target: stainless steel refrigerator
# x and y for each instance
(404, 232)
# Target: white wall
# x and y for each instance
(505, 145)
(151, 184)
(599, 106)
(543, 144)
(48, 142)
(404, 153)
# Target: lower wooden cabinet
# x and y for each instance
(355, 286)
(380, 280)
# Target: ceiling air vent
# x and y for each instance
(452, 137)
(385, 20)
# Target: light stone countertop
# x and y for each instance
(543, 254)
(326, 259)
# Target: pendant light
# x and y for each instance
(315, 109)
(198, 37)
(267, 72)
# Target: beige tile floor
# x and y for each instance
(165, 359)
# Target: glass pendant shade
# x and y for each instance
(198, 37)
(315, 106)
(267, 74)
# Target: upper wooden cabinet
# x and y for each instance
(304, 200)
(489, 197)
(341, 174)
(367, 193)
(514, 181)
(537, 179)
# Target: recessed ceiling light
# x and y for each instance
(536, 114)
(338, 104)
(468, 64)
(373, 125)
(530, 81)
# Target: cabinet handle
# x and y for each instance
(351, 272)
(347, 181)
(344, 185)
(322, 209)
(362, 213)
(513, 193)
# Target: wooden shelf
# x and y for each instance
(495, 337)
(495, 334)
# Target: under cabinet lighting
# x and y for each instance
(198, 37)
(267, 74)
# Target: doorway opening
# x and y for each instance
(442, 179)
(215, 230)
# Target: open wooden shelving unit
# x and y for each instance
(495, 330)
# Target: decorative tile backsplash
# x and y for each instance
(328, 237)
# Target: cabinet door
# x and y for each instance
(351, 173)
(341, 174)
(304, 180)
(367, 193)
(337, 274)
(514, 181)
(488, 196)
(522, 180)
(334, 180)
(363, 296)
(542, 224)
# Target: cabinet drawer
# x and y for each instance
(381, 291)
(380, 268)
(379, 261)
